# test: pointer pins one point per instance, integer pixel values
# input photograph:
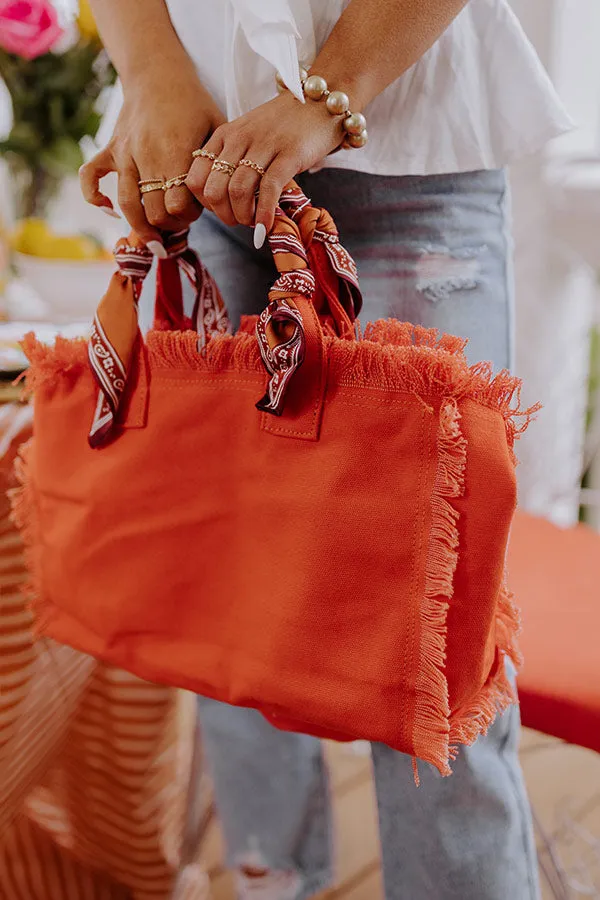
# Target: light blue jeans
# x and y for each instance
(436, 251)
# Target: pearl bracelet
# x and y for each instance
(338, 104)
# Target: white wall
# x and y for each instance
(555, 292)
(576, 66)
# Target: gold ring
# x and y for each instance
(150, 181)
(252, 165)
(151, 186)
(204, 154)
(221, 165)
(175, 182)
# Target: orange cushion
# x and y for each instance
(555, 574)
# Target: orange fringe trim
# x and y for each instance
(475, 718)
(431, 730)
(392, 356)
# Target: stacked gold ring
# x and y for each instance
(204, 154)
(252, 165)
(175, 182)
(156, 184)
(151, 184)
(148, 185)
(221, 165)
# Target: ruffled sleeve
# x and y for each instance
(270, 30)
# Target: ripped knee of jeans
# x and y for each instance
(440, 272)
(256, 880)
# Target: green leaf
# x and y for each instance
(92, 123)
(63, 157)
(56, 114)
(54, 105)
(22, 138)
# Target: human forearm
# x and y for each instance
(166, 115)
(140, 39)
(375, 41)
(372, 44)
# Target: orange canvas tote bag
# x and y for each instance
(297, 518)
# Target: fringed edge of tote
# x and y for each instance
(66, 358)
(393, 356)
(166, 349)
(427, 363)
(431, 729)
(474, 719)
(437, 732)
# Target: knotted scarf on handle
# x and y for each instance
(115, 330)
(314, 268)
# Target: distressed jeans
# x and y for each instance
(432, 250)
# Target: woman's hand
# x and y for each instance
(284, 137)
(163, 120)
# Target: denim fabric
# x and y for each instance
(433, 250)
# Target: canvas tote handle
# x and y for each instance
(316, 294)
(317, 278)
(115, 351)
(336, 295)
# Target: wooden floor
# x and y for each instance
(564, 783)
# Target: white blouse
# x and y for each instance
(478, 99)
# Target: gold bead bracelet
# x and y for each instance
(338, 104)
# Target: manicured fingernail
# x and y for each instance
(157, 249)
(260, 234)
(110, 212)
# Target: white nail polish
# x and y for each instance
(260, 234)
(157, 249)
(110, 212)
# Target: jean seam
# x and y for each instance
(509, 274)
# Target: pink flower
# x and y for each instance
(28, 28)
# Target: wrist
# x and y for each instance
(356, 85)
(357, 89)
(150, 90)
(337, 104)
(170, 67)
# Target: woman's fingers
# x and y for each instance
(243, 187)
(130, 201)
(202, 166)
(171, 207)
(210, 175)
(181, 205)
(90, 175)
(278, 175)
(215, 192)
(157, 214)
(219, 182)
(216, 188)
(148, 214)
